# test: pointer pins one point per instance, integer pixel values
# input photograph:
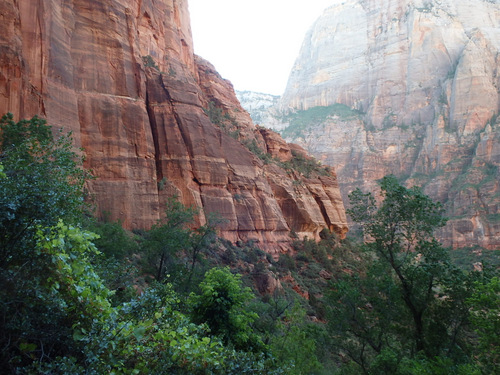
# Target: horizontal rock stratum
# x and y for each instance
(122, 76)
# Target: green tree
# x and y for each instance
(61, 321)
(151, 335)
(202, 240)
(295, 343)
(485, 314)
(116, 263)
(168, 237)
(406, 298)
(173, 248)
(49, 297)
(222, 305)
(44, 183)
(113, 241)
(41, 183)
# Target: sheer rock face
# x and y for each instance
(425, 76)
(391, 58)
(121, 74)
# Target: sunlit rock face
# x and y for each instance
(121, 74)
(423, 79)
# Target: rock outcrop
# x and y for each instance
(410, 87)
(122, 76)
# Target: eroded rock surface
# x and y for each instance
(121, 74)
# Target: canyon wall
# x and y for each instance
(408, 87)
(122, 76)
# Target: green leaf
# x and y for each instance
(139, 332)
(78, 335)
(27, 347)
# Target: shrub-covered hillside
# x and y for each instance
(79, 296)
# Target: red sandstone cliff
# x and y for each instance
(121, 74)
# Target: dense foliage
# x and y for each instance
(43, 183)
(69, 306)
(406, 307)
(78, 296)
(40, 185)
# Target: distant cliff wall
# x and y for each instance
(410, 87)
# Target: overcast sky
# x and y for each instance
(253, 43)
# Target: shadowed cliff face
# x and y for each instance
(121, 74)
(418, 81)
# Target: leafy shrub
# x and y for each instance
(214, 114)
(221, 304)
(305, 166)
(286, 262)
(302, 258)
(253, 147)
(49, 296)
(149, 62)
(44, 182)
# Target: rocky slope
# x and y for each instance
(153, 119)
(408, 87)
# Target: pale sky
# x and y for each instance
(253, 43)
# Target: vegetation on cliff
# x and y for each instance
(306, 166)
(301, 120)
(84, 297)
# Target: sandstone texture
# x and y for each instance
(409, 87)
(154, 120)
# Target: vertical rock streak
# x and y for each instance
(156, 141)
